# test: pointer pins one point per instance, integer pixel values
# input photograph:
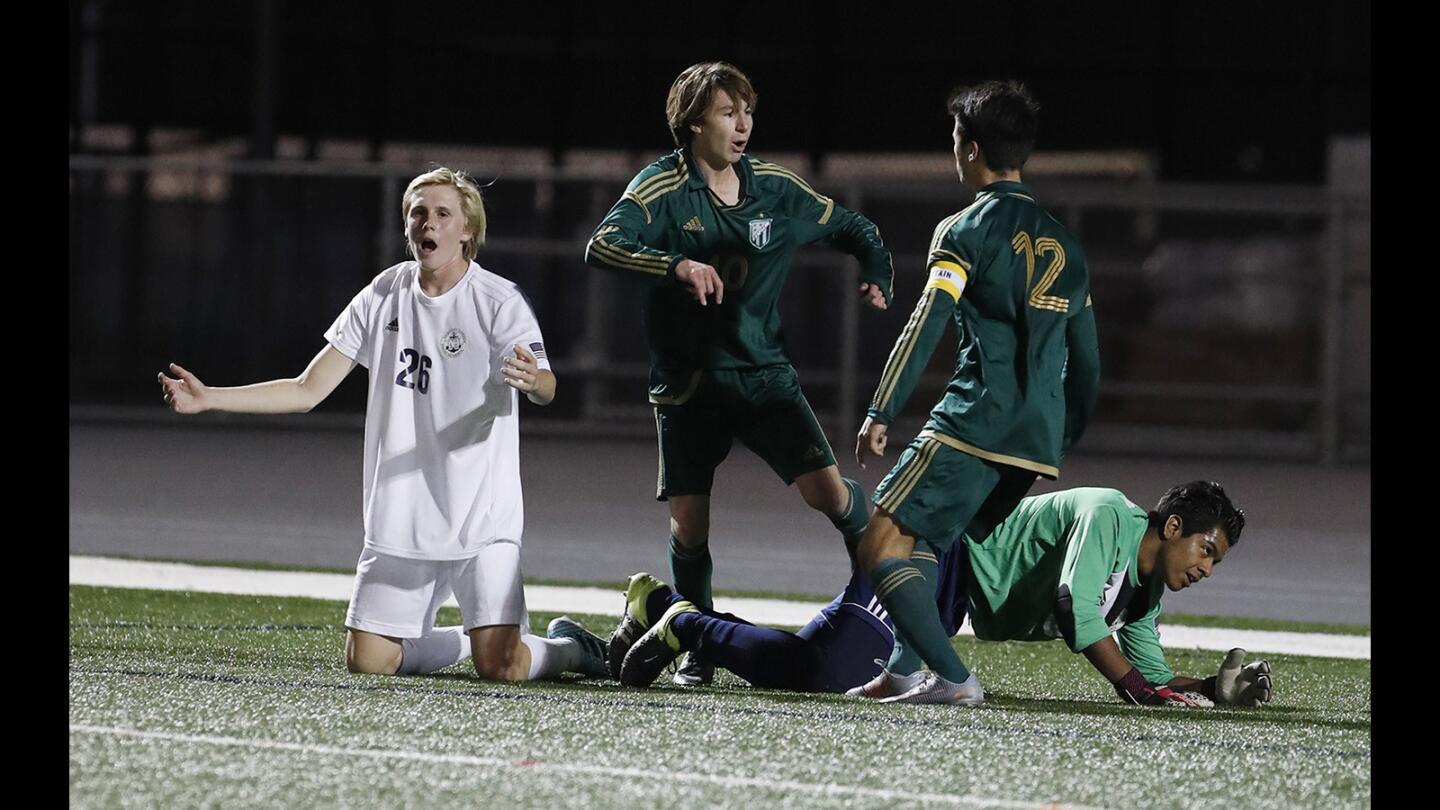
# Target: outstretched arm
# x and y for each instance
(1131, 685)
(185, 393)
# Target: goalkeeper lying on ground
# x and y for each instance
(1077, 564)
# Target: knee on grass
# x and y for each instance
(499, 655)
(371, 654)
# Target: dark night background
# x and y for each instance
(1222, 92)
(1248, 289)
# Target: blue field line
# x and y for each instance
(122, 573)
(846, 717)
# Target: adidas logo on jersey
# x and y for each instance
(693, 225)
(393, 326)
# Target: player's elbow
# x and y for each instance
(306, 397)
(591, 251)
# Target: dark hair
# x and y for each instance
(1201, 506)
(692, 90)
(1001, 117)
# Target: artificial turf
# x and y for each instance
(193, 699)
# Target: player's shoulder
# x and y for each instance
(393, 278)
(1057, 230)
(661, 176)
(490, 287)
(774, 175)
(1096, 500)
(963, 224)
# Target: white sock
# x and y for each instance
(551, 656)
(443, 647)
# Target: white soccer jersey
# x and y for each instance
(442, 438)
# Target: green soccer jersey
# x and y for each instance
(1065, 565)
(1027, 368)
(668, 213)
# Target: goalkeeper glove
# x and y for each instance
(1247, 685)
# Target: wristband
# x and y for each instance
(1133, 686)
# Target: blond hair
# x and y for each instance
(470, 204)
(690, 95)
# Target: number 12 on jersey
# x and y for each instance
(418, 367)
(1042, 246)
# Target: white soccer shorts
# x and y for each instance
(397, 596)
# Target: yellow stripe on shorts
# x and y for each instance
(907, 479)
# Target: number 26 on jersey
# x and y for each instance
(416, 373)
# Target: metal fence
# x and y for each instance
(1234, 320)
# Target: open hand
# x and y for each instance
(185, 394)
(520, 370)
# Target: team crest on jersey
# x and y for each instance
(760, 232)
(453, 343)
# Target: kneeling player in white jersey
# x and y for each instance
(447, 344)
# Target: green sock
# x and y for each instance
(853, 520)
(690, 572)
(910, 600)
(903, 658)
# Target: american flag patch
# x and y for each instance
(537, 349)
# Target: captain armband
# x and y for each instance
(949, 277)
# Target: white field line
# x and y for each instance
(601, 771)
(117, 573)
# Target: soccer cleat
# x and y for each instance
(633, 621)
(592, 665)
(694, 671)
(886, 684)
(654, 650)
(931, 688)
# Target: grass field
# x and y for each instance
(184, 699)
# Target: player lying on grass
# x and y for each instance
(448, 344)
(1077, 564)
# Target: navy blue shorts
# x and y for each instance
(851, 643)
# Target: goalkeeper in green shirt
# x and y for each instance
(1015, 283)
(1089, 566)
(711, 232)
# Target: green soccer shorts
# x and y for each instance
(763, 408)
(936, 492)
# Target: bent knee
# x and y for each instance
(499, 667)
(498, 653)
(828, 501)
(368, 666)
(824, 491)
(368, 654)
(881, 541)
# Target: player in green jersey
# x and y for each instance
(712, 231)
(1083, 564)
(1027, 369)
